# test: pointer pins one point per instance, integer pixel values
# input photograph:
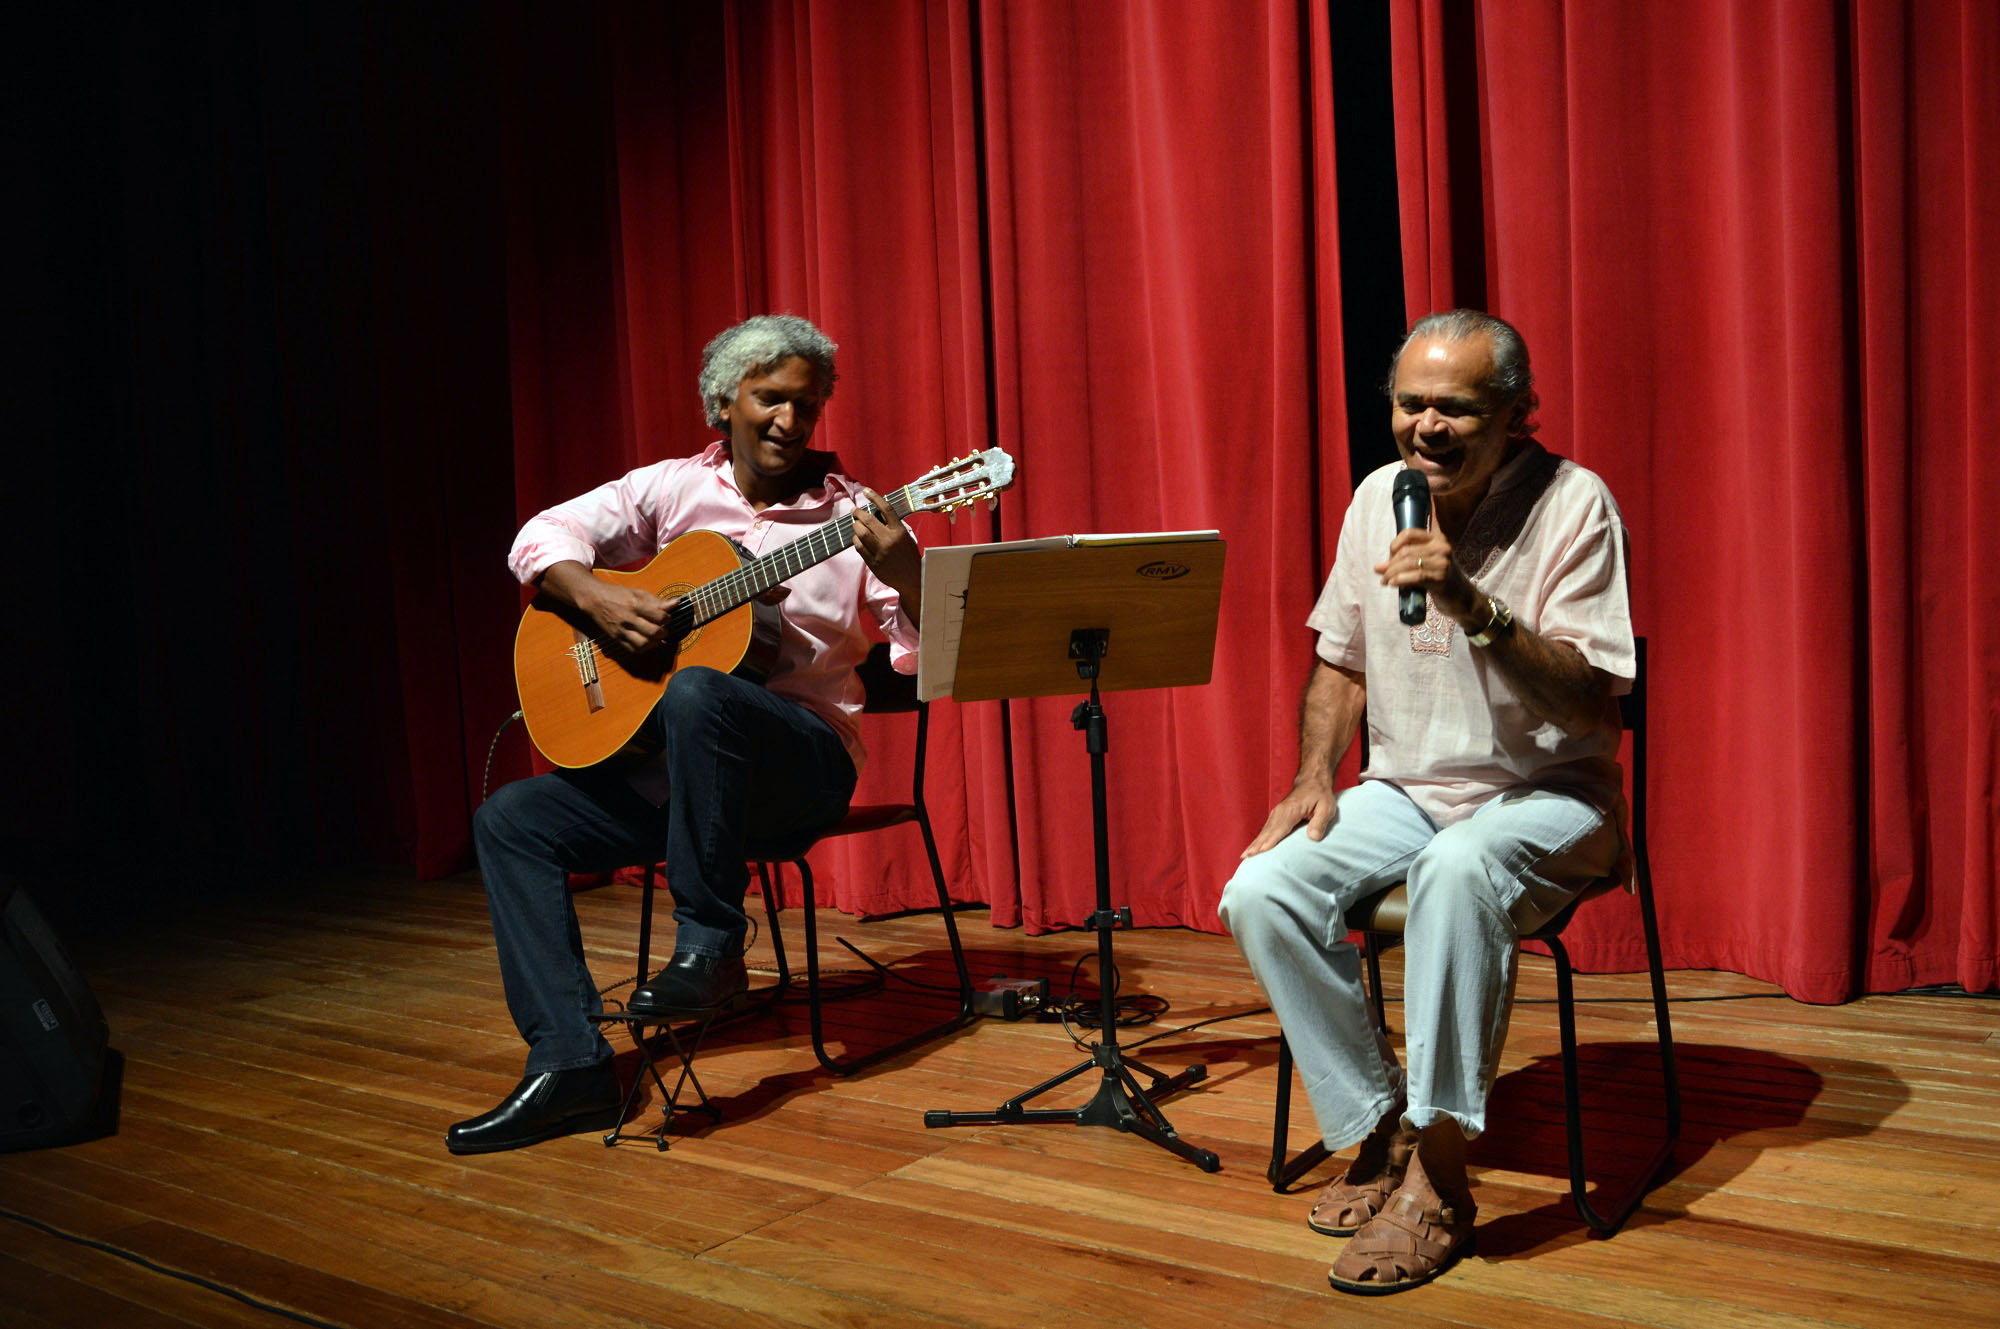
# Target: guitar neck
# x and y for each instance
(734, 590)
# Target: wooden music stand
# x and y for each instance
(1115, 614)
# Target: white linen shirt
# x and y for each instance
(821, 639)
(1442, 723)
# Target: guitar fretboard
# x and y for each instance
(735, 589)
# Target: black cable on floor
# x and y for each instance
(1942, 990)
(1580, 1001)
(1189, 1028)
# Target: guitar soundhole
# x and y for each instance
(682, 630)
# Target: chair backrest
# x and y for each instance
(1632, 713)
(883, 690)
(886, 692)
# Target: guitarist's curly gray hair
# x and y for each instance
(755, 345)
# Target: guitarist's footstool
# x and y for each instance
(683, 1042)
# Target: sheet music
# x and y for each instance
(1144, 537)
(947, 569)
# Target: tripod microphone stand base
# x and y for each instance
(1120, 1103)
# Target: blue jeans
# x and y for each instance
(1475, 886)
(742, 764)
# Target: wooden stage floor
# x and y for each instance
(289, 1068)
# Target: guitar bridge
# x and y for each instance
(584, 653)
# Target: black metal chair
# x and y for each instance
(1380, 920)
(885, 692)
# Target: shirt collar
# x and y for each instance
(716, 458)
(1517, 467)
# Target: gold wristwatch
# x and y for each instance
(1499, 625)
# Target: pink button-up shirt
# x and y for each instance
(821, 640)
(1442, 724)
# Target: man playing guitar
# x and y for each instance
(720, 759)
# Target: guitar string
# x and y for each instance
(747, 582)
(902, 502)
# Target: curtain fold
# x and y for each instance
(1927, 239)
(1167, 356)
(855, 201)
(1744, 241)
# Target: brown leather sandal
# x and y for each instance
(1404, 1246)
(1347, 1203)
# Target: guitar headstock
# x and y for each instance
(962, 481)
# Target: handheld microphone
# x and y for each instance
(1412, 497)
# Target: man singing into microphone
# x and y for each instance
(1492, 784)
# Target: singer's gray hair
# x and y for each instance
(756, 345)
(1512, 379)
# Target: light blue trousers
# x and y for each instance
(1474, 888)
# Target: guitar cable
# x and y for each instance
(486, 779)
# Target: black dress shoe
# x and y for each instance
(690, 982)
(586, 1098)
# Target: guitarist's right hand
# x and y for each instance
(627, 617)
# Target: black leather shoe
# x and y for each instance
(542, 1107)
(690, 982)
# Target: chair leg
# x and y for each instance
(1284, 1171)
(1669, 1067)
(1604, 1224)
(645, 926)
(950, 919)
(777, 933)
(1372, 946)
(850, 1065)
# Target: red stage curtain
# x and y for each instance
(1129, 284)
(852, 196)
(1167, 356)
(1751, 246)
(1746, 242)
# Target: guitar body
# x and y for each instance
(583, 703)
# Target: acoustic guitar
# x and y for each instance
(583, 699)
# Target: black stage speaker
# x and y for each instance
(52, 1033)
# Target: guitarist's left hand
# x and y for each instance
(886, 545)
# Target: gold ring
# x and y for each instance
(1420, 564)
